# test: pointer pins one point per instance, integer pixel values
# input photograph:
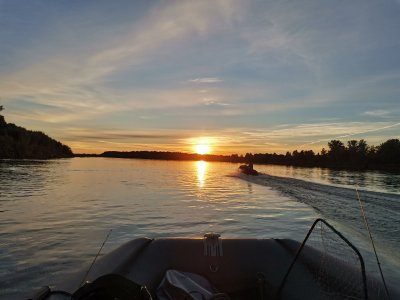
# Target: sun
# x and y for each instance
(202, 149)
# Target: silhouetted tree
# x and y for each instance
(362, 147)
(356, 153)
(249, 157)
(389, 151)
(371, 152)
(2, 121)
(336, 150)
(352, 146)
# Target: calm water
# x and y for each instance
(55, 214)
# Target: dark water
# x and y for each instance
(55, 214)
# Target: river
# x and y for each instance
(55, 214)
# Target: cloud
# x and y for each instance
(353, 129)
(163, 67)
(279, 139)
(206, 80)
(216, 103)
(378, 113)
(74, 78)
(121, 136)
(290, 137)
(213, 101)
(165, 25)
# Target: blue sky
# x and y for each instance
(243, 76)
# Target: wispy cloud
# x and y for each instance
(206, 80)
(381, 113)
(354, 130)
(107, 134)
(279, 139)
(75, 79)
(214, 101)
(236, 68)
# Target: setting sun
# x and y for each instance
(202, 149)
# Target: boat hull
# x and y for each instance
(235, 269)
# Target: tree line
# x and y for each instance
(164, 155)
(355, 154)
(17, 142)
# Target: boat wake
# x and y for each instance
(340, 206)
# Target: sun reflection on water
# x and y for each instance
(201, 172)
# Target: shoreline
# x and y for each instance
(177, 156)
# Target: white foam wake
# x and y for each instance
(340, 206)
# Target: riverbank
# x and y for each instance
(19, 143)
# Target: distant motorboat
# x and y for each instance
(248, 169)
(324, 266)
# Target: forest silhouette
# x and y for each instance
(355, 154)
(19, 143)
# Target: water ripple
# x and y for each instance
(55, 214)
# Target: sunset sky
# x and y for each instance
(241, 76)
